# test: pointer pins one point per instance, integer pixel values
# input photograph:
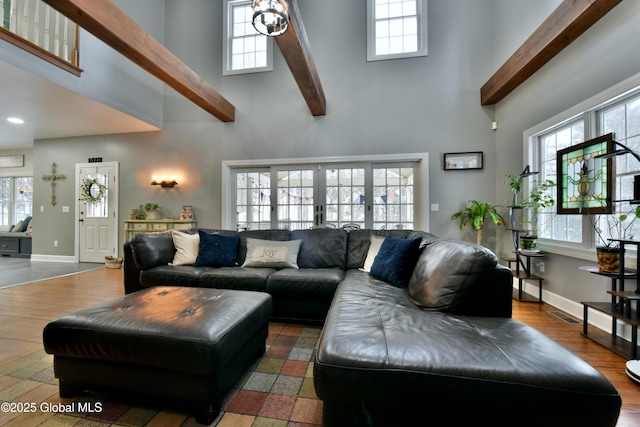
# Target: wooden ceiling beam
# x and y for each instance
(110, 24)
(559, 30)
(296, 51)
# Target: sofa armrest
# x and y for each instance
(493, 296)
(131, 272)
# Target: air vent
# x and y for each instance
(562, 316)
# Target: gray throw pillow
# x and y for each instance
(272, 253)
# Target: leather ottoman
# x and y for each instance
(181, 346)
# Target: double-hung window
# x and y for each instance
(396, 29)
(245, 50)
(616, 111)
(16, 199)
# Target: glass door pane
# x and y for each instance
(345, 197)
(393, 198)
(253, 200)
(295, 199)
(98, 184)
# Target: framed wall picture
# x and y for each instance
(585, 181)
(467, 160)
(12, 161)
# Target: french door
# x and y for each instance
(358, 195)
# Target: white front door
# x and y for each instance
(97, 185)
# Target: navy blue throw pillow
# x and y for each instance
(25, 224)
(396, 260)
(216, 250)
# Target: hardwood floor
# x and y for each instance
(26, 309)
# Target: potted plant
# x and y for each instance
(617, 226)
(474, 216)
(539, 198)
(149, 211)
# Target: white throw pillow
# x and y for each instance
(272, 253)
(374, 248)
(186, 248)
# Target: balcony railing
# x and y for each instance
(46, 31)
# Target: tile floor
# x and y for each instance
(279, 390)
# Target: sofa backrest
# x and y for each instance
(321, 248)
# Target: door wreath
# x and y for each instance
(92, 190)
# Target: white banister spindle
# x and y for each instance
(13, 17)
(47, 28)
(25, 20)
(36, 24)
(65, 41)
(2, 13)
(56, 36)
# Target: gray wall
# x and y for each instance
(428, 104)
(602, 57)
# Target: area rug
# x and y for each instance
(277, 391)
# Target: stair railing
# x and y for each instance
(43, 26)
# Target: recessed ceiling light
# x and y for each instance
(15, 120)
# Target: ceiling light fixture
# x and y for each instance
(270, 17)
(15, 120)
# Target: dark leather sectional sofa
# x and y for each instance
(443, 351)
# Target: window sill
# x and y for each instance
(582, 253)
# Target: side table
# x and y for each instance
(522, 272)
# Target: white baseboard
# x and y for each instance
(53, 258)
(596, 318)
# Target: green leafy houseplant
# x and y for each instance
(475, 215)
(609, 228)
(618, 226)
(145, 209)
(538, 199)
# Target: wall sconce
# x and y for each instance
(164, 183)
(270, 17)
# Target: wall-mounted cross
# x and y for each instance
(53, 177)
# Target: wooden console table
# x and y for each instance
(133, 227)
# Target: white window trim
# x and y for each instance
(421, 214)
(422, 34)
(531, 155)
(227, 40)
